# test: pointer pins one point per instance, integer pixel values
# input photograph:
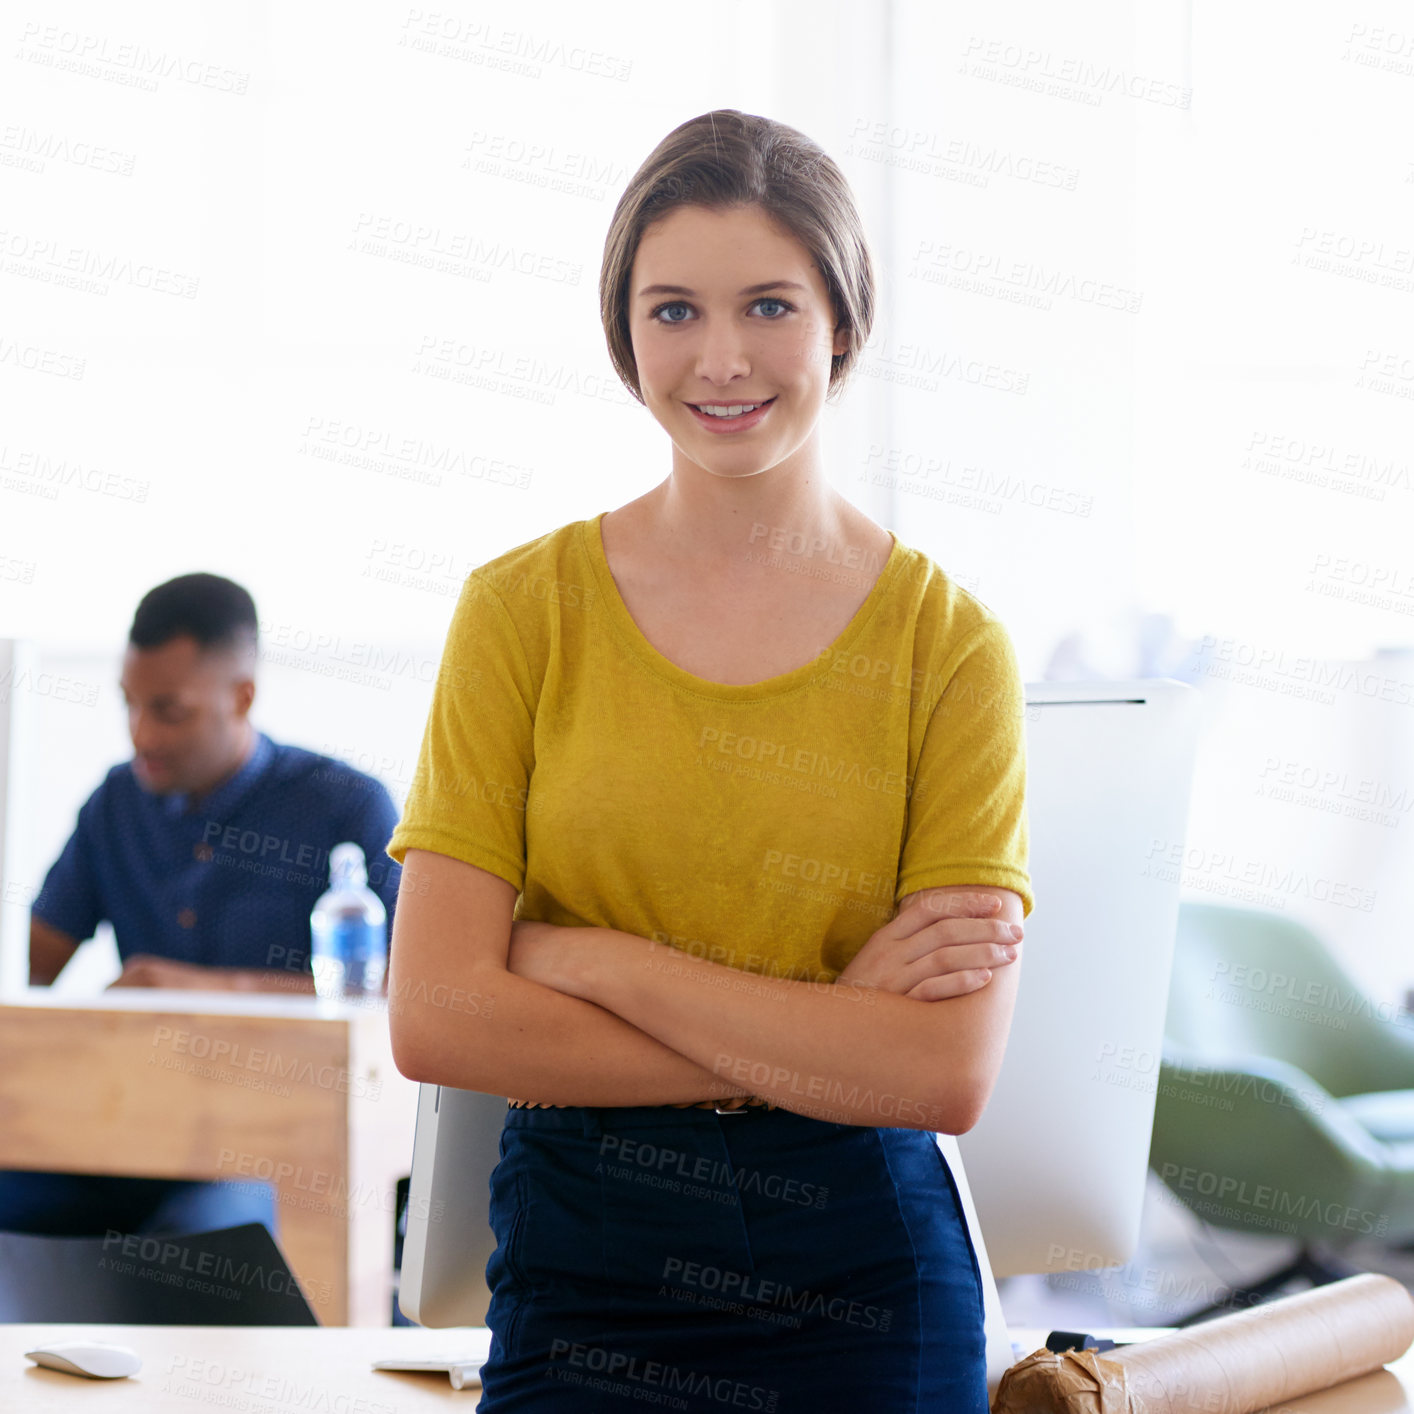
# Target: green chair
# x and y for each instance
(1285, 1101)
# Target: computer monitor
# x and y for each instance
(19, 685)
(1056, 1166)
(1053, 1174)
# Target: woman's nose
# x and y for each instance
(722, 354)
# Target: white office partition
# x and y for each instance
(18, 685)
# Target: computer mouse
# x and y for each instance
(94, 1358)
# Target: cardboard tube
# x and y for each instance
(1280, 1350)
(1234, 1364)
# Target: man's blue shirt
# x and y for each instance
(228, 881)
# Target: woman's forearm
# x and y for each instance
(837, 1052)
(501, 1034)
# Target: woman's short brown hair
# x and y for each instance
(729, 158)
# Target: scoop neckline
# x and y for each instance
(592, 537)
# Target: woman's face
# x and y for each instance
(726, 308)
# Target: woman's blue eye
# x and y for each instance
(680, 304)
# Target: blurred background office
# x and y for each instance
(312, 303)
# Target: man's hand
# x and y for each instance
(935, 948)
(145, 970)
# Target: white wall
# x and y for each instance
(1099, 232)
(1274, 478)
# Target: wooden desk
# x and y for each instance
(293, 1091)
(286, 1369)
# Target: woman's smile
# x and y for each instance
(730, 417)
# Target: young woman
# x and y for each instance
(716, 851)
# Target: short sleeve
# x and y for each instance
(967, 819)
(468, 792)
(70, 899)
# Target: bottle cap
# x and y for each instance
(346, 862)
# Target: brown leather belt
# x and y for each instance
(723, 1107)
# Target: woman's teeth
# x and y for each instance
(735, 410)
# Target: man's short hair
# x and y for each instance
(216, 612)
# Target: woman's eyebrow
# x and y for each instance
(749, 290)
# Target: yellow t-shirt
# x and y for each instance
(771, 826)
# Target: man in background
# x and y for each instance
(206, 852)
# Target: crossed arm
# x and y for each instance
(595, 1016)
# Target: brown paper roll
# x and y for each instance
(1230, 1365)
(1063, 1382)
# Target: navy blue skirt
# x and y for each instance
(764, 1260)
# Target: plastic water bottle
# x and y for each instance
(349, 927)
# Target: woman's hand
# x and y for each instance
(935, 948)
